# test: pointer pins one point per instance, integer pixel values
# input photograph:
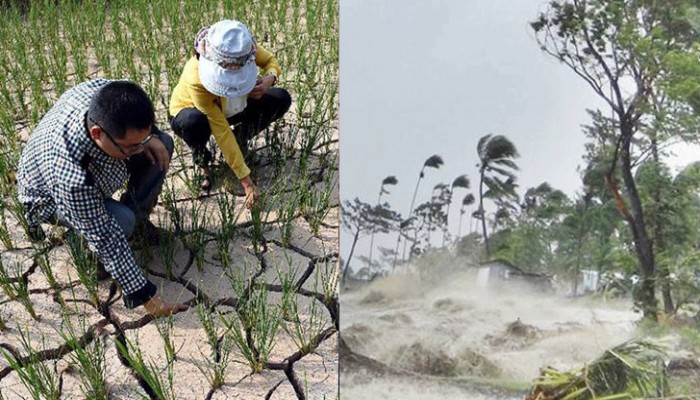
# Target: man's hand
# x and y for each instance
(261, 87)
(157, 153)
(251, 192)
(158, 308)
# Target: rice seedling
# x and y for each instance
(305, 331)
(227, 217)
(170, 203)
(20, 287)
(17, 211)
(286, 217)
(196, 236)
(258, 216)
(5, 237)
(90, 358)
(255, 326)
(6, 282)
(329, 281)
(147, 371)
(287, 281)
(39, 377)
(317, 205)
(165, 330)
(167, 246)
(41, 258)
(215, 365)
(85, 265)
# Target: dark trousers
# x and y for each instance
(193, 126)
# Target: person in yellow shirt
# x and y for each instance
(220, 88)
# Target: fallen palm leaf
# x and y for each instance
(630, 370)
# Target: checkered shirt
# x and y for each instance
(62, 169)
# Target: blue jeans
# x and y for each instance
(145, 183)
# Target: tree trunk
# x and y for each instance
(483, 215)
(645, 293)
(410, 211)
(352, 250)
(659, 242)
(371, 240)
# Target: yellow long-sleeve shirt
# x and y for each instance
(189, 92)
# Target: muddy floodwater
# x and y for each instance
(448, 338)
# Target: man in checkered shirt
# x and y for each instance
(97, 135)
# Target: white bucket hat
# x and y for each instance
(227, 59)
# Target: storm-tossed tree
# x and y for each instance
(466, 202)
(529, 237)
(461, 181)
(388, 181)
(630, 52)
(428, 217)
(496, 176)
(434, 161)
(360, 218)
(672, 204)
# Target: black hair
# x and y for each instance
(120, 106)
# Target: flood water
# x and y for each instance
(440, 337)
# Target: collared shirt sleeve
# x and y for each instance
(83, 206)
(267, 62)
(207, 104)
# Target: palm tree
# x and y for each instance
(434, 161)
(461, 181)
(496, 168)
(466, 201)
(389, 180)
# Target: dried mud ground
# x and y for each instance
(310, 257)
(403, 338)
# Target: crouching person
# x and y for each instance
(97, 136)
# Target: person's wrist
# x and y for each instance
(247, 183)
(274, 78)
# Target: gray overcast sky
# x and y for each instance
(419, 78)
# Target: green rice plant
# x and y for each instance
(3, 321)
(39, 377)
(204, 313)
(255, 326)
(85, 265)
(170, 203)
(287, 280)
(228, 216)
(329, 276)
(21, 288)
(7, 282)
(286, 217)
(305, 331)
(165, 329)
(17, 211)
(196, 236)
(41, 258)
(259, 214)
(90, 358)
(313, 205)
(59, 65)
(215, 365)
(147, 371)
(167, 246)
(5, 237)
